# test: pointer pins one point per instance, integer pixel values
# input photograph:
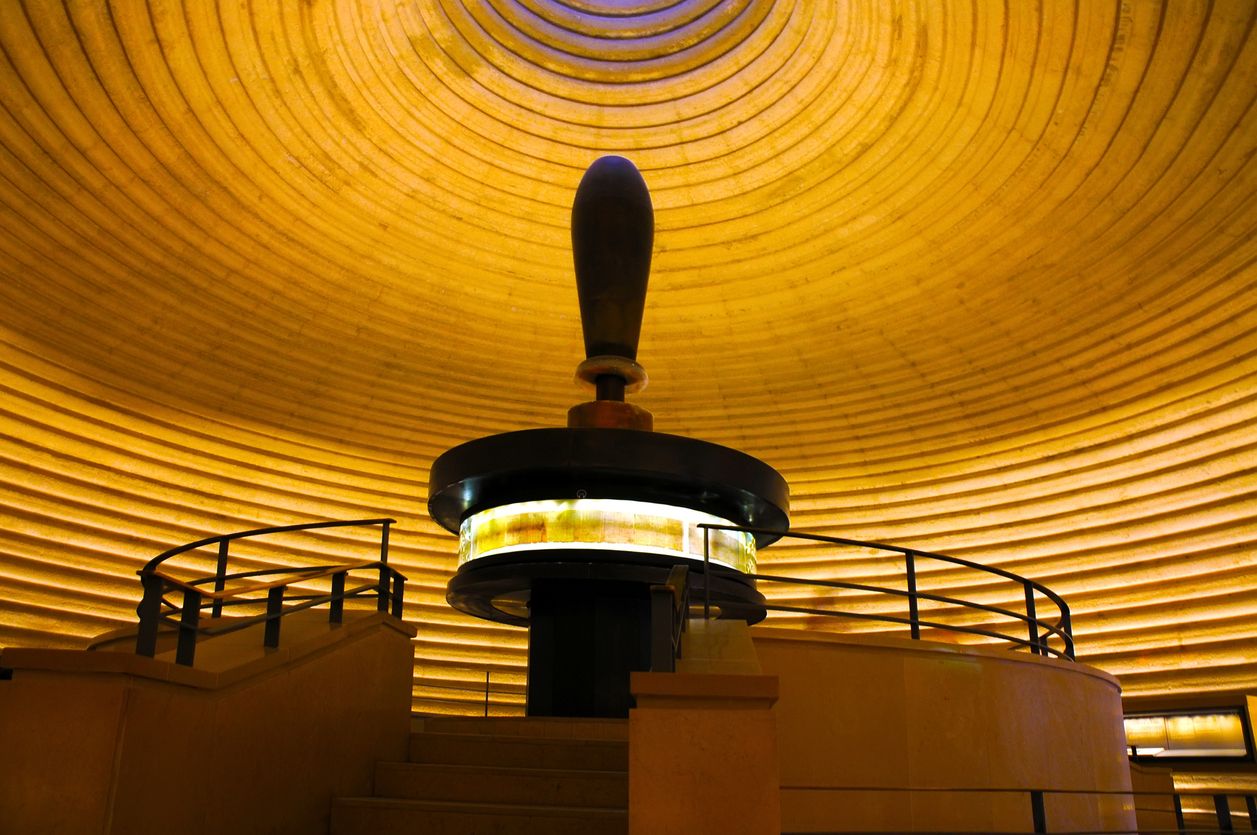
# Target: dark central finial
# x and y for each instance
(613, 232)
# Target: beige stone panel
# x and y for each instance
(60, 735)
(262, 745)
(856, 715)
(703, 754)
(1153, 812)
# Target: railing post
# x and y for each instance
(681, 609)
(1223, 807)
(384, 541)
(1178, 814)
(1251, 802)
(914, 615)
(337, 613)
(1037, 811)
(274, 608)
(1067, 626)
(662, 611)
(185, 650)
(220, 578)
(706, 573)
(1031, 621)
(486, 693)
(399, 586)
(382, 590)
(149, 612)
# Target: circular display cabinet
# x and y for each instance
(616, 505)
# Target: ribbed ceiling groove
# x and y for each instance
(977, 278)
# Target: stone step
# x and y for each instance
(519, 752)
(373, 816)
(547, 787)
(534, 726)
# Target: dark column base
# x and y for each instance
(585, 636)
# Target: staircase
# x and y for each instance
(501, 776)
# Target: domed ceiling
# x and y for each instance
(976, 277)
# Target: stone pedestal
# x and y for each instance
(703, 755)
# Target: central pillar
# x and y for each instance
(585, 638)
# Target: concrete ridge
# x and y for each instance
(484, 808)
(520, 739)
(507, 770)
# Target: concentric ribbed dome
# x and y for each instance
(977, 278)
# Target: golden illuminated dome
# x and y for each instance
(976, 278)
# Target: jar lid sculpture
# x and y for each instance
(565, 529)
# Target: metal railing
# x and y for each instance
(1039, 632)
(155, 609)
(516, 695)
(1039, 819)
(669, 614)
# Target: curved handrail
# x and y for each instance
(308, 602)
(972, 630)
(305, 574)
(881, 546)
(955, 601)
(152, 564)
(897, 592)
(1040, 631)
(154, 608)
(1221, 810)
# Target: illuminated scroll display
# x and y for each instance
(1204, 734)
(602, 524)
